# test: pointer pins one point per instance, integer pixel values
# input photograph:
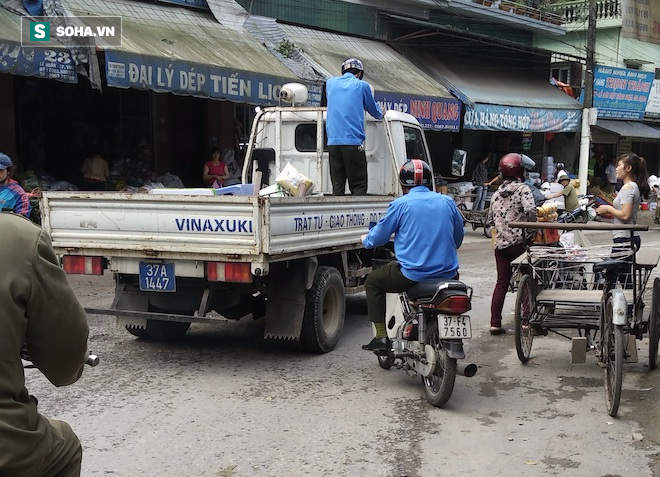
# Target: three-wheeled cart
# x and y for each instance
(597, 290)
(476, 218)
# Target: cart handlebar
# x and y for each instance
(573, 226)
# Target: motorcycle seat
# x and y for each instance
(431, 288)
(615, 267)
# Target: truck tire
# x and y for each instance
(325, 308)
(157, 330)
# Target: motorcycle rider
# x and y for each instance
(428, 230)
(41, 311)
(570, 194)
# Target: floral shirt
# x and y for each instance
(512, 202)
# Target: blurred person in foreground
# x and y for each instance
(40, 312)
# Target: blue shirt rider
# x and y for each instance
(428, 230)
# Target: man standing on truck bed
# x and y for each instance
(348, 96)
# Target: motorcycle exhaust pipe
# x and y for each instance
(466, 369)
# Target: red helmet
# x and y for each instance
(511, 165)
(415, 172)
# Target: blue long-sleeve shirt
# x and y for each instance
(348, 98)
(428, 231)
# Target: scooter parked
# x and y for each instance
(426, 327)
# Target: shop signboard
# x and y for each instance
(433, 113)
(640, 19)
(163, 75)
(621, 93)
(492, 117)
(47, 63)
(653, 104)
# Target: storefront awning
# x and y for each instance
(498, 99)
(183, 51)
(629, 129)
(397, 82)
(48, 63)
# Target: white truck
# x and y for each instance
(178, 259)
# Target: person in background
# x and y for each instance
(571, 201)
(95, 172)
(511, 202)
(610, 174)
(348, 96)
(425, 249)
(12, 196)
(480, 180)
(600, 163)
(234, 170)
(39, 310)
(215, 171)
(631, 170)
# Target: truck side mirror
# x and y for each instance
(458, 162)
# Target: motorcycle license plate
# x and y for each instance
(157, 277)
(454, 327)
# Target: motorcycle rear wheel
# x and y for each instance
(439, 386)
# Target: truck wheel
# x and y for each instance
(157, 330)
(325, 307)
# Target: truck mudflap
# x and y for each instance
(286, 298)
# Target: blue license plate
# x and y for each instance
(157, 277)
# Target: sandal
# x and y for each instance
(495, 330)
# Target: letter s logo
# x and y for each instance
(39, 31)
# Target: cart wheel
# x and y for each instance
(612, 349)
(475, 226)
(462, 208)
(525, 301)
(654, 325)
(488, 231)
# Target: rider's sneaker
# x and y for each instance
(377, 344)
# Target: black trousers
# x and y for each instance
(383, 280)
(348, 162)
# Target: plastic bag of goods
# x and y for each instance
(294, 181)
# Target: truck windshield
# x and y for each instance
(415, 143)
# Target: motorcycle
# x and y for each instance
(426, 328)
(581, 214)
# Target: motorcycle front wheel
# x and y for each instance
(439, 385)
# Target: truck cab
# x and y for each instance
(296, 135)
